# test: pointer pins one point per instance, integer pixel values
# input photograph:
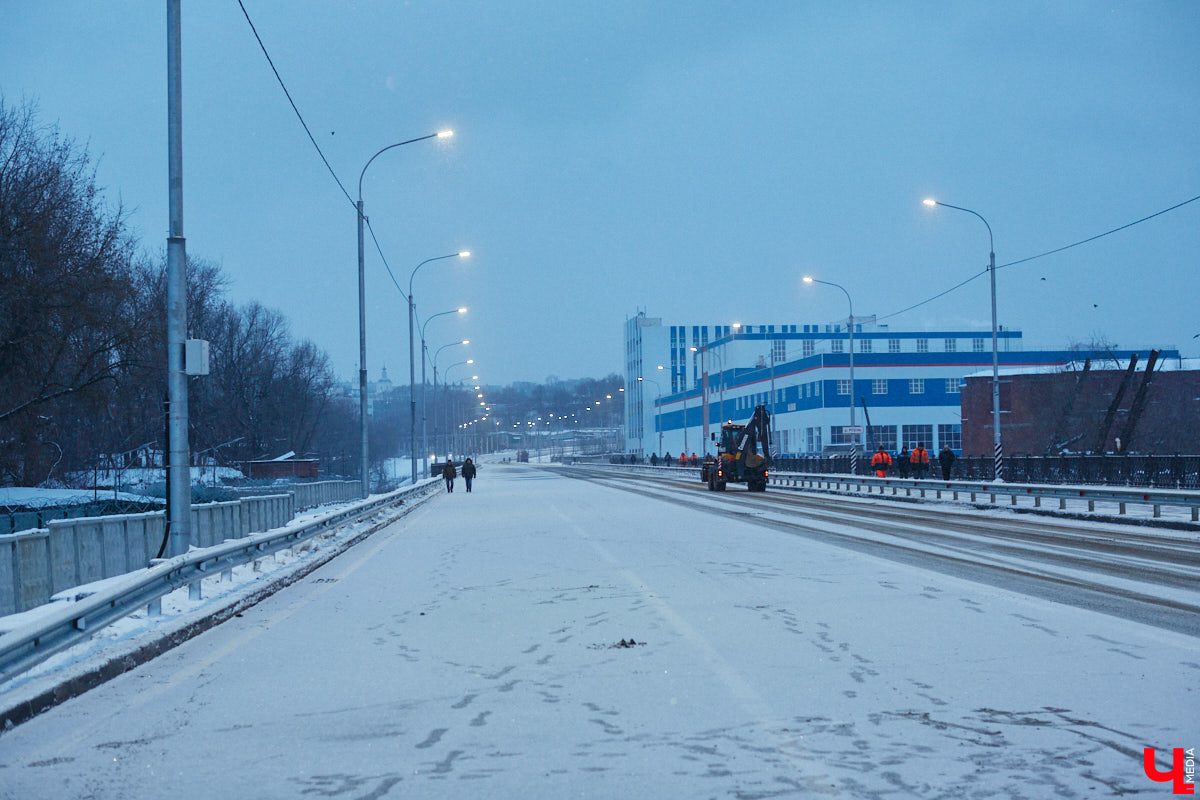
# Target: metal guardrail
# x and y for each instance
(24, 647)
(1155, 498)
(37, 564)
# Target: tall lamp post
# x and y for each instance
(362, 315)
(446, 374)
(434, 360)
(997, 448)
(412, 377)
(853, 436)
(657, 409)
(424, 441)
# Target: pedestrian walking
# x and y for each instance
(682, 459)
(920, 461)
(468, 473)
(654, 459)
(946, 459)
(449, 473)
(881, 461)
(667, 458)
(902, 461)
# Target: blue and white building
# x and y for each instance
(693, 377)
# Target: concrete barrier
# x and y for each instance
(36, 564)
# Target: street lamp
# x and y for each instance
(997, 448)
(446, 374)
(853, 434)
(412, 397)
(435, 357)
(658, 409)
(362, 314)
(424, 441)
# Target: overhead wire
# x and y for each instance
(321, 153)
(1041, 255)
(299, 116)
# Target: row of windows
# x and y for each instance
(808, 347)
(910, 436)
(915, 386)
(879, 386)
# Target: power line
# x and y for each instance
(385, 263)
(935, 297)
(1100, 235)
(293, 102)
(1041, 255)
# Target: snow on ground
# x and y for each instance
(472, 649)
(34, 497)
(178, 609)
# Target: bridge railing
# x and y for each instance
(1155, 499)
(1166, 472)
(26, 646)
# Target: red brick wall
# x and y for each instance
(1034, 418)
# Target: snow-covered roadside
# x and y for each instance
(181, 617)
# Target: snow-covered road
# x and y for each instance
(473, 650)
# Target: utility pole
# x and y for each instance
(179, 489)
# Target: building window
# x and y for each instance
(816, 388)
(814, 439)
(893, 345)
(952, 386)
(835, 346)
(916, 386)
(843, 387)
(922, 345)
(918, 434)
(883, 435)
(879, 386)
(807, 348)
(951, 345)
(950, 436)
(977, 345)
(779, 351)
(838, 435)
(864, 345)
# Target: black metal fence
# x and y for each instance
(1161, 472)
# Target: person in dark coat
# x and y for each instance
(468, 473)
(946, 459)
(902, 461)
(654, 459)
(449, 473)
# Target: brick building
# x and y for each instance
(1046, 411)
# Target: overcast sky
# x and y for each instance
(692, 159)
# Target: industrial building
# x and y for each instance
(682, 381)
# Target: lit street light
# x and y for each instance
(412, 397)
(658, 409)
(424, 441)
(362, 315)
(435, 373)
(997, 448)
(853, 434)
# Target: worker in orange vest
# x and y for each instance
(920, 461)
(881, 461)
(682, 459)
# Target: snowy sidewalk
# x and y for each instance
(474, 649)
